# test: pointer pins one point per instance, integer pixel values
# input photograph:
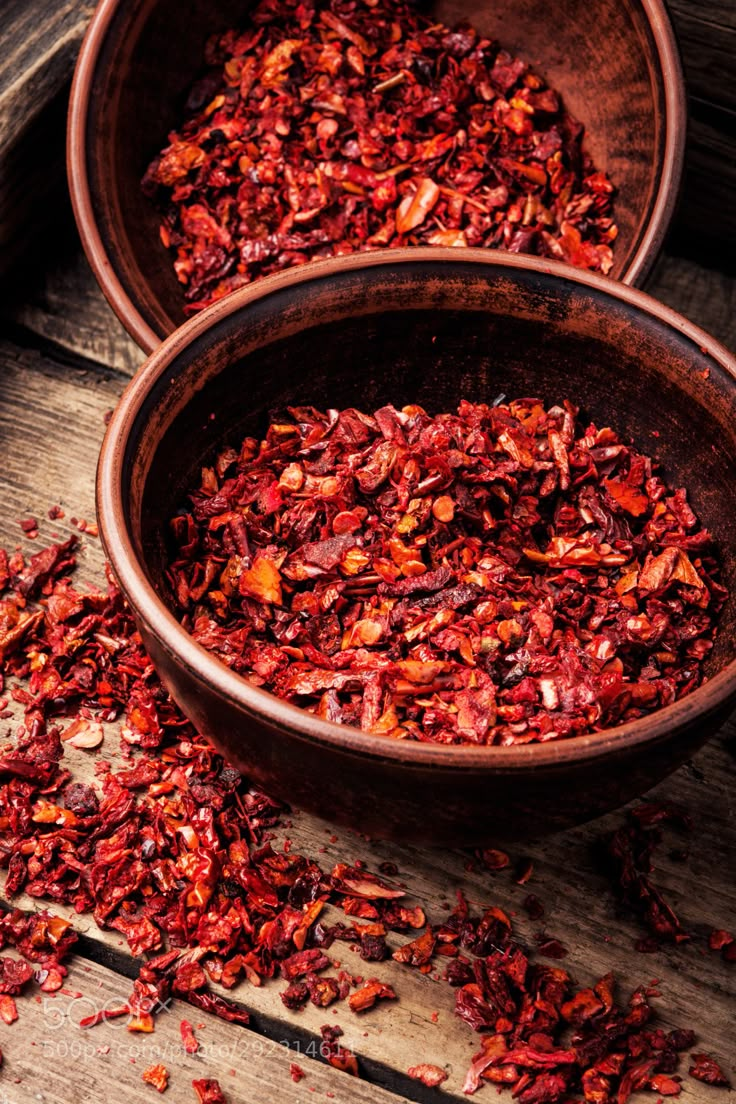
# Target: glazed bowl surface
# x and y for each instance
(427, 327)
(615, 63)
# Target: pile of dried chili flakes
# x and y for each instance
(175, 851)
(499, 576)
(327, 128)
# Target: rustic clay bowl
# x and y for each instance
(426, 326)
(615, 62)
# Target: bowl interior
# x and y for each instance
(420, 330)
(607, 67)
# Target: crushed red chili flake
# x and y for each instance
(719, 939)
(334, 1052)
(494, 860)
(705, 1068)
(188, 1038)
(208, 1091)
(630, 850)
(429, 1075)
(8, 1009)
(533, 907)
(543, 1038)
(296, 1072)
(572, 591)
(158, 1076)
(374, 990)
(333, 127)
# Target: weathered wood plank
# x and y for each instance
(707, 37)
(49, 1057)
(50, 428)
(41, 39)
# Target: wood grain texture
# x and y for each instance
(49, 1057)
(40, 40)
(51, 423)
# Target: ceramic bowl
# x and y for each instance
(431, 327)
(615, 63)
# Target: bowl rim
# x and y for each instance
(661, 207)
(170, 635)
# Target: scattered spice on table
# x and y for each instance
(208, 1091)
(333, 127)
(705, 1068)
(503, 575)
(188, 1038)
(630, 851)
(175, 849)
(157, 1076)
(429, 1075)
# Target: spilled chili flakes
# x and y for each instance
(188, 1038)
(545, 1040)
(630, 850)
(208, 1091)
(374, 990)
(157, 1076)
(296, 1072)
(429, 1075)
(173, 850)
(334, 1052)
(705, 1068)
(312, 563)
(329, 128)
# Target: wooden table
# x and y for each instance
(64, 361)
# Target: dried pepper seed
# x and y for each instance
(326, 129)
(540, 606)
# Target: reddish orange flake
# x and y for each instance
(158, 1076)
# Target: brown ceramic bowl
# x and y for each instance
(426, 326)
(615, 61)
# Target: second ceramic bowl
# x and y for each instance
(616, 65)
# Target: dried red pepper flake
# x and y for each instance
(630, 850)
(542, 611)
(533, 907)
(103, 1016)
(157, 1076)
(719, 939)
(705, 1068)
(429, 1075)
(8, 1009)
(334, 1052)
(494, 860)
(374, 990)
(321, 130)
(208, 1091)
(296, 1072)
(419, 951)
(188, 1038)
(29, 525)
